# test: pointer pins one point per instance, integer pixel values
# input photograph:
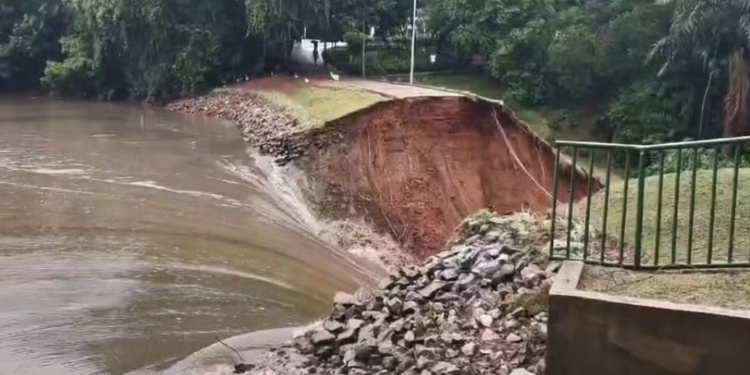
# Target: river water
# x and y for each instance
(130, 237)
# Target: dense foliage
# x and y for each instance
(657, 69)
(149, 49)
(651, 70)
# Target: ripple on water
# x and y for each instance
(132, 237)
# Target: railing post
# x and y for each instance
(571, 199)
(555, 185)
(733, 213)
(605, 215)
(639, 211)
(625, 197)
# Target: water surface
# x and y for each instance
(130, 237)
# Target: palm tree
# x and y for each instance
(715, 33)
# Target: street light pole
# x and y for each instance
(364, 41)
(413, 41)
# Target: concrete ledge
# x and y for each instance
(217, 359)
(594, 333)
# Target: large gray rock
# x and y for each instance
(512, 337)
(322, 337)
(445, 368)
(485, 320)
(333, 326)
(489, 335)
(486, 268)
(431, 289)
(521, 371)
(342, 298)
(469, 349)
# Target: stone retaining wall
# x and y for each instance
(596, 334)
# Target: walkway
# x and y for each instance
(302, 56)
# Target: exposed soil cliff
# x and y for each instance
(417, 167)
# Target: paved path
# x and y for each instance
(302, 56)
(394, 90)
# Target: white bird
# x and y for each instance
(272, 73)
(335, 77)
(307, 80)
(296, 76)
(247, 78)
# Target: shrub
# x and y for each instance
(354, 40)
(386, 61)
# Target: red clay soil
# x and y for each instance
(419, 166)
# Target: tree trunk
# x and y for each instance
(738, 96)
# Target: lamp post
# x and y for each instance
(413, 41)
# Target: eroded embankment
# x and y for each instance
(414, 167)
(417, 167)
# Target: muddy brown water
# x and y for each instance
(130, 237)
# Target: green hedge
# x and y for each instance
(386, 61)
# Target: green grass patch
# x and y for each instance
(476, 84)
(730, 289)
(316, 105)
(654, 238)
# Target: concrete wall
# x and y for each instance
(598, 334)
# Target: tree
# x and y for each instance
(29, 34)
(716, 35)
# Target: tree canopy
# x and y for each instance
(659, 69)
(148, 49)
(655, 70)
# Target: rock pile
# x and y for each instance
(478, 308)
(263, 124)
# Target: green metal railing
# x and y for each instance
(680, 209)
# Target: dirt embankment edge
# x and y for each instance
(410, 168)
(416, 167)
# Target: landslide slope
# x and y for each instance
(417, 166)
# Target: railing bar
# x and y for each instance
(659, 198)
(571, 199)
(555, 186)
(675, 212)
(710, 255)
(606, 206)
(733, 213)
(588, 205)
(691, 219)
(661, 146)
(684, 266)
(624, 207)
(639, 211)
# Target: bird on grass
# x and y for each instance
(307, 80)
(335, 77)
(295, 75)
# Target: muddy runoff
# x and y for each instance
(132, 237)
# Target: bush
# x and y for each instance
(702, 160)
(354, 40)
(386, 61)
(73, 76)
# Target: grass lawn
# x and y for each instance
(316, 105)
(702, 214)
(730, 289)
